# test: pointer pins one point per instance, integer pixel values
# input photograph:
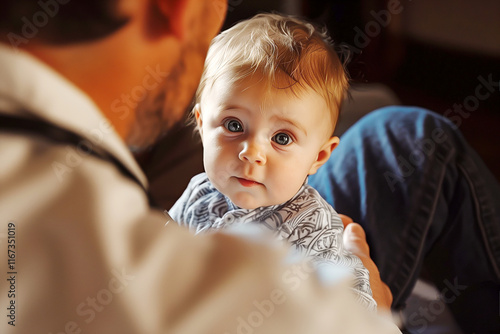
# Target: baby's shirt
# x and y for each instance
(307, 221)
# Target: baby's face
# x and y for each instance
(259, 147)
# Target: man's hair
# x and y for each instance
(289, 54)
(60, 22)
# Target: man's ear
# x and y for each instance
(173, 13)
(324, 154)
(199, 119)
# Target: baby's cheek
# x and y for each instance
(287, 184)
(214, 171)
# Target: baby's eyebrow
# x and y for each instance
(233, 107)
(292, 123)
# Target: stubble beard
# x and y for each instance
(166, 105)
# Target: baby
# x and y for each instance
(266, 108)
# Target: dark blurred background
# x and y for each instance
(441, 55)
(432, 54)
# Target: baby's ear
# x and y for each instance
(199, 120)
(324, 154)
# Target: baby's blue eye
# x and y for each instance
(233, 125)
(282, 139)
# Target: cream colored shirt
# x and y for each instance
(82, 252)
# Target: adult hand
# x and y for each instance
(355, 242)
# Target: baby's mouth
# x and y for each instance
(247, 183)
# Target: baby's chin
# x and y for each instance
(245, 201)
(249, 201)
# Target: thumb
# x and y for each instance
(355, 240)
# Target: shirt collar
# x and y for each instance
(30, 88)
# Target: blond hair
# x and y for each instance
(286, 51)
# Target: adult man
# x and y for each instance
(86, 253)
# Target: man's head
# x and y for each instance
(109, 49)
(267, 106)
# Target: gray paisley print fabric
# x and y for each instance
(306, 221)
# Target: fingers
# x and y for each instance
(355, 231)
(387, 295)
(355, 240)
(346, 220)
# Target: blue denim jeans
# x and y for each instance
(429, 207)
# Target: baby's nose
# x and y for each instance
(252, 152)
